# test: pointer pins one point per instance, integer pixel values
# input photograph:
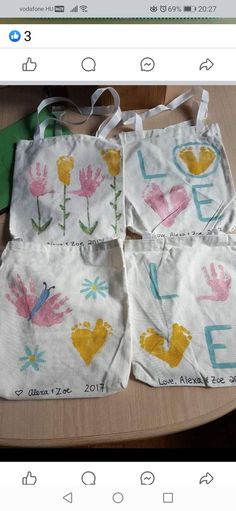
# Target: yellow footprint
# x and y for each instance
(153, 343)
(112, 159)
(197, 165)
(89, 342)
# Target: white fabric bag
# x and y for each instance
(182, 294)
(63, 321)
(177, 179)
(69, 188)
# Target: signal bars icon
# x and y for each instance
(83, 8)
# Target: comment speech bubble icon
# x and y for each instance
(88, 64)
(147, 64)
(88, 478)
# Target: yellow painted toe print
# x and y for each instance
(89, 342)
(197, 165)
(112, 159)
(153, 343)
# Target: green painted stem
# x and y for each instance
(115, 203)
(39, 214)
(88, 215)
(64, 211)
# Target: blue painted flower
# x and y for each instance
(91, 288)
(32, 358)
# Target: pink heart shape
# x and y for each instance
(156, 199)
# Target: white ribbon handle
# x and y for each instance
(200, 99)
(104, 129)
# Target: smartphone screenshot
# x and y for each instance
(117, 253)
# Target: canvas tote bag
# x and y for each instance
(177, 179)
(182, 294)
(63, 321)
(69, 188)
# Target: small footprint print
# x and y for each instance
(197, 166)
(153, 343)
(88, 342)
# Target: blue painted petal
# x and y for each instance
(102, 282)
(36, 350)
(25, 366)
(91, 293)
(40, 354)
(96, 280)
(23, 358)
(88, 281)
(101, 293)
(28, 351)
(103, 287)
(85, 288)
(41, 361)
(35, 366)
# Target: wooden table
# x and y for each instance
(139, 411)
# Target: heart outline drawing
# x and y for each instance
(188, 148)
(18, 392)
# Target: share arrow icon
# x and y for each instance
(68, 497)
(207, 64)
(207, 478)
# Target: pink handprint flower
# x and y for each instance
(89, 182)
(219, 283)
(41, 309)
(37, 180)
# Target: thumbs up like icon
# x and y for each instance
(29, 479)
(29, 65)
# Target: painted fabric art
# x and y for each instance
(67, 189)
(64, 324)
(178, 180)
(183, 327)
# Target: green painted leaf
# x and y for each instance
(113, 187)
(61, 226)
(119, 216)
(118, 194)
(66, 215)
(62, 207)
(112, 204)
(35, 226)
(88, 230)
(45, 226)
(114, 228)
(67, 198)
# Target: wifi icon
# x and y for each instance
(83, 8)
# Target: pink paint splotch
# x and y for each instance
(157, 200)
(24, 300)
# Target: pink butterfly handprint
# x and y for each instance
(42, 310)
(219, 283)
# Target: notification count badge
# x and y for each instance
(15, 36)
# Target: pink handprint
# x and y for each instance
(40, 310)
(90, 180)
(219, 283)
